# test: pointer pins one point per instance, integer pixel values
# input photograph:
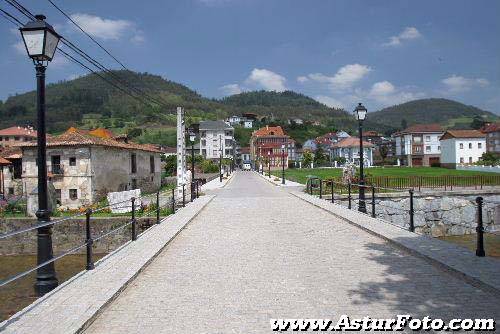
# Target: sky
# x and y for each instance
(339, 52)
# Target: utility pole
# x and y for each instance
(220, 158)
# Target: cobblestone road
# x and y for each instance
(256, 252)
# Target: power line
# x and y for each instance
(88, 35)
(23, 10)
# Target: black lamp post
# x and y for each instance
(283, 164)
(269, 162)
(192, 138)
(220, 158)
(361, 116)
(41, 41)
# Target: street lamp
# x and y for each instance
(220, 158)
(361, 116)
(283, 164)
(41, 40)
(269, 162)
(192, 138)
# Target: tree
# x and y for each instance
(404, 124)
(489, 159)
(170, 164)
(307, 159)
(477, 123)
(320, 157)
(383, 151)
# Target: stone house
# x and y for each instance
(462, 147)
(16, 135)
(11, 183)
(84, 167)
(492, 132)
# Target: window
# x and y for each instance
(417, 140)
(72, 161)
(6, 138)
(133, 163)
(461, 146)
(17, 169)
(152, 164)
(439, 148)
(11, 191)
(73, 194)
(427, 138)
(58, 196)
(470, 160)
(470, 145)
(56, 164)
(203, 134)
(1, 138)
(461, 160)
(479, 145)
(16, 138)
(203, 142)
(134, 184)
(427, 149)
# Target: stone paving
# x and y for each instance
(257, 252)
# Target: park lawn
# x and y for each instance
(300, 175)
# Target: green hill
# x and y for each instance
(449, 113)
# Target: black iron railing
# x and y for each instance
(341, 193)
(90, 239)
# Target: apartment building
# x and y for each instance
(266, 147)
(216, 137)
(419, 145)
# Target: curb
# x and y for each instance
(449, 268)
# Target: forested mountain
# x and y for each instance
(449, 113)
(89, 102)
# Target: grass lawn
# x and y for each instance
(300, 175)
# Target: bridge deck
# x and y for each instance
(256, 252)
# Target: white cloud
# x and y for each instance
(267, 80)
(302, 79)
(407, 34)
(385, 93)
(231, 89)
(138, 38)
(329, 101)
(345, 77)
(458, 84)
(20, 48)
(73, 77)
(103, 28)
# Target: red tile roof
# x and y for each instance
(269, 131)
(371, 134)
(462, 134)
(351, 142)
(76, 137)
(4, 162)
(424, 128)
(18, 131)
(245, 150)
(494, 127)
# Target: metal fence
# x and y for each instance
(345, 194)
(151, 211)
(447, 182)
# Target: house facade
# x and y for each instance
(492, 132)
(348, 149)
(462, 147)
(83, 168)
(16, 135)
(11, 182)
(216, 137)
(266, 145)
(419, 145)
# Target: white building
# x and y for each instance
(462, 147)
(419, 145)
(248, 123)
(214, 137)
(234, 120)
(348, 149)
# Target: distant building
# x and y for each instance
(245, 156)
(216, 137)
(492, 132)
(11, 172)
(310, 145)
(373, 137)
(266, 147)
(16, 135)
(462, 147)
(83, 167)
(419, 145)
(297, 121)
(168, 151)
(246, 122)
(348, 149)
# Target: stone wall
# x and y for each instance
(66, 235)
(438, 214)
